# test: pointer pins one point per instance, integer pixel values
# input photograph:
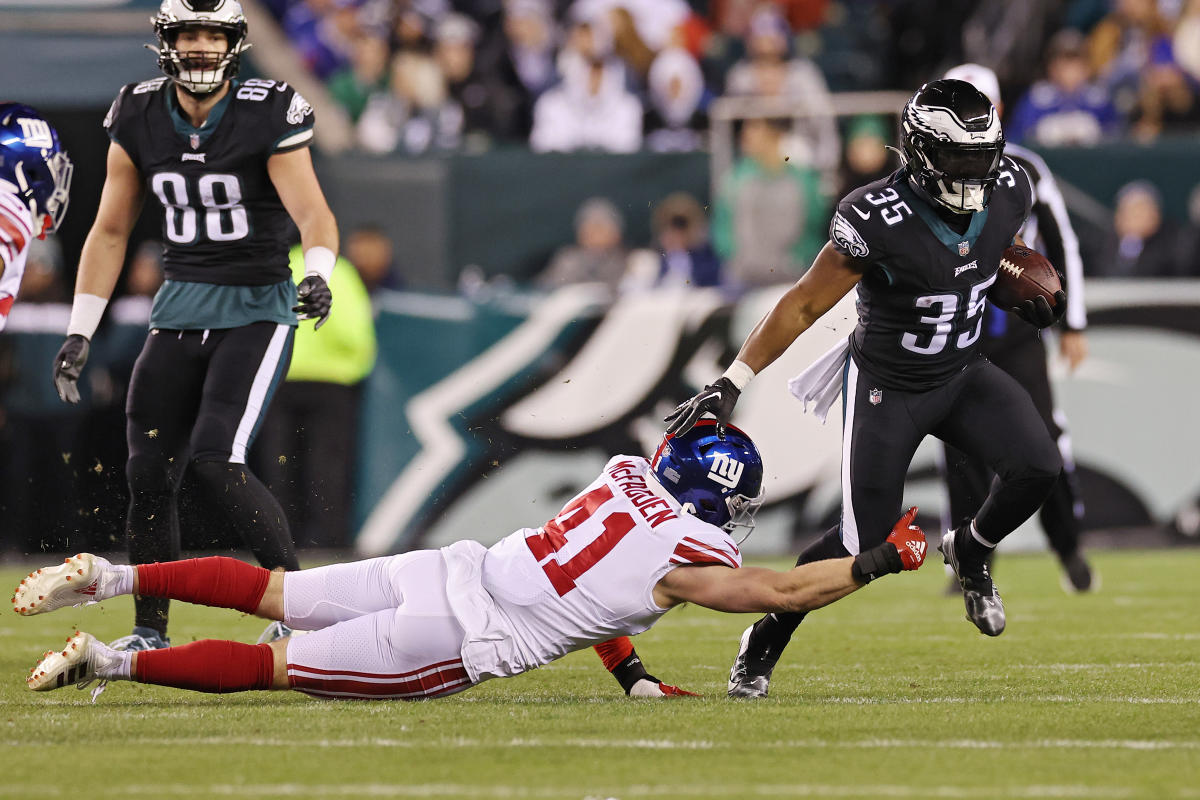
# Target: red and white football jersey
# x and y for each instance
(16, 230)
(589, 574)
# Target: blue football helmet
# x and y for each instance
(32, 159)
(717, 480)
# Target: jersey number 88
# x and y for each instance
(225, 219)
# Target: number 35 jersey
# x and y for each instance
(585, 576)
(922, 294)
(223, 221)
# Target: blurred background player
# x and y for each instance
(643, 537)
(35, 184)
(228, 162)
(913, 244)
(1017, 349)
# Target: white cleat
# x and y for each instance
(75, 582)
(74, 665)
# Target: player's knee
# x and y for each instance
(148, 474)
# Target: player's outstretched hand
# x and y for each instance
(650, 686)
(1037, 312)
(67, 366)
(909, 540)
(313, 300)
(718, 399)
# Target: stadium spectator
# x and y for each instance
(1185, 43)
(1147, 243)
(1067, 107)
(686, 256)
(590, 109)
(414, 115)
(677, 97)
(770, 70)
(488, 108)
(307, 450)
(598, 254)
(865, 158)
(322, 32)
(770, 217)
(520, 56)
(366, 74)
(373, 254)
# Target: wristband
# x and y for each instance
(319, 261)
(739, 374)
(86, 310)
(878, 561)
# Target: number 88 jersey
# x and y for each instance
(223, 221)
(922, 294)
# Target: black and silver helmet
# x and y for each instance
(952, 144)
(199, 74)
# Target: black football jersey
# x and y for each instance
(223, 222)
(921, 298)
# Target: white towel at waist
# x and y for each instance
(821, 383)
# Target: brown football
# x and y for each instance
(1023, 275)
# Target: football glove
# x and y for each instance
(718, 399)
(1037, 312)
(67, 365)
(313, 300)
(909, 540)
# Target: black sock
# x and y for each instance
(772, 633)
(630, 671)
(252, 509)
(152, 528)
(969, 548)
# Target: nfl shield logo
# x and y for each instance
(195, 140)
(963, 247)
(875, 396)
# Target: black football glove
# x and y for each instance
(718, 399)
(1038, 313)
(67, 366)
(314, 300)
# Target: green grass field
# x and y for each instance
(889, 693)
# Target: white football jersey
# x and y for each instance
(16, 230)
(589, 574)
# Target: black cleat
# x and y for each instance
(750, 677)
(984, 606)
(1078, 575)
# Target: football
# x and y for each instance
(1023, 275)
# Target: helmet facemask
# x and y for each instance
(48, 195)
(199, 73)
(952, 144)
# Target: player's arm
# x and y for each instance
(831, 276)
(803, 588)
(100, 265)
(296, 183)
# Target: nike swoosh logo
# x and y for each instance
(861, 214)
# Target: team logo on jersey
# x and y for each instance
(964, 248)
(726, 471)
(192, 157)
(960, 270)
(847, 237)
(875, 396)
(111, 115)
(298, 110)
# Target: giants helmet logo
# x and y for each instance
(726, 471)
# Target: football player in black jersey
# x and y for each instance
(922, 246)
(228, 161)
(1018, 350)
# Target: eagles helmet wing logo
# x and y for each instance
(845, 236)
(298, 110)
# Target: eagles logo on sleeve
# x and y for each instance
(298, 110)
(847, 238)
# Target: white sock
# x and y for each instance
(112, 665)
(977, 537)
(120, 581)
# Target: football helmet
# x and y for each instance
(717, 480)
(32, 159)
(952, 143)
(199, 73)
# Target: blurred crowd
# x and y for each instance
(618, 75)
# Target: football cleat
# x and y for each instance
(749, 677)
(984, 606)
(141, 639)
(1078, 575)
(75, 582)
(276, 631)
(75, 665)
(653, 688)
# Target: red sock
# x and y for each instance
(614, 651)
(209, 665)
(216, 581)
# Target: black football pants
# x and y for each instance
(197, 398)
